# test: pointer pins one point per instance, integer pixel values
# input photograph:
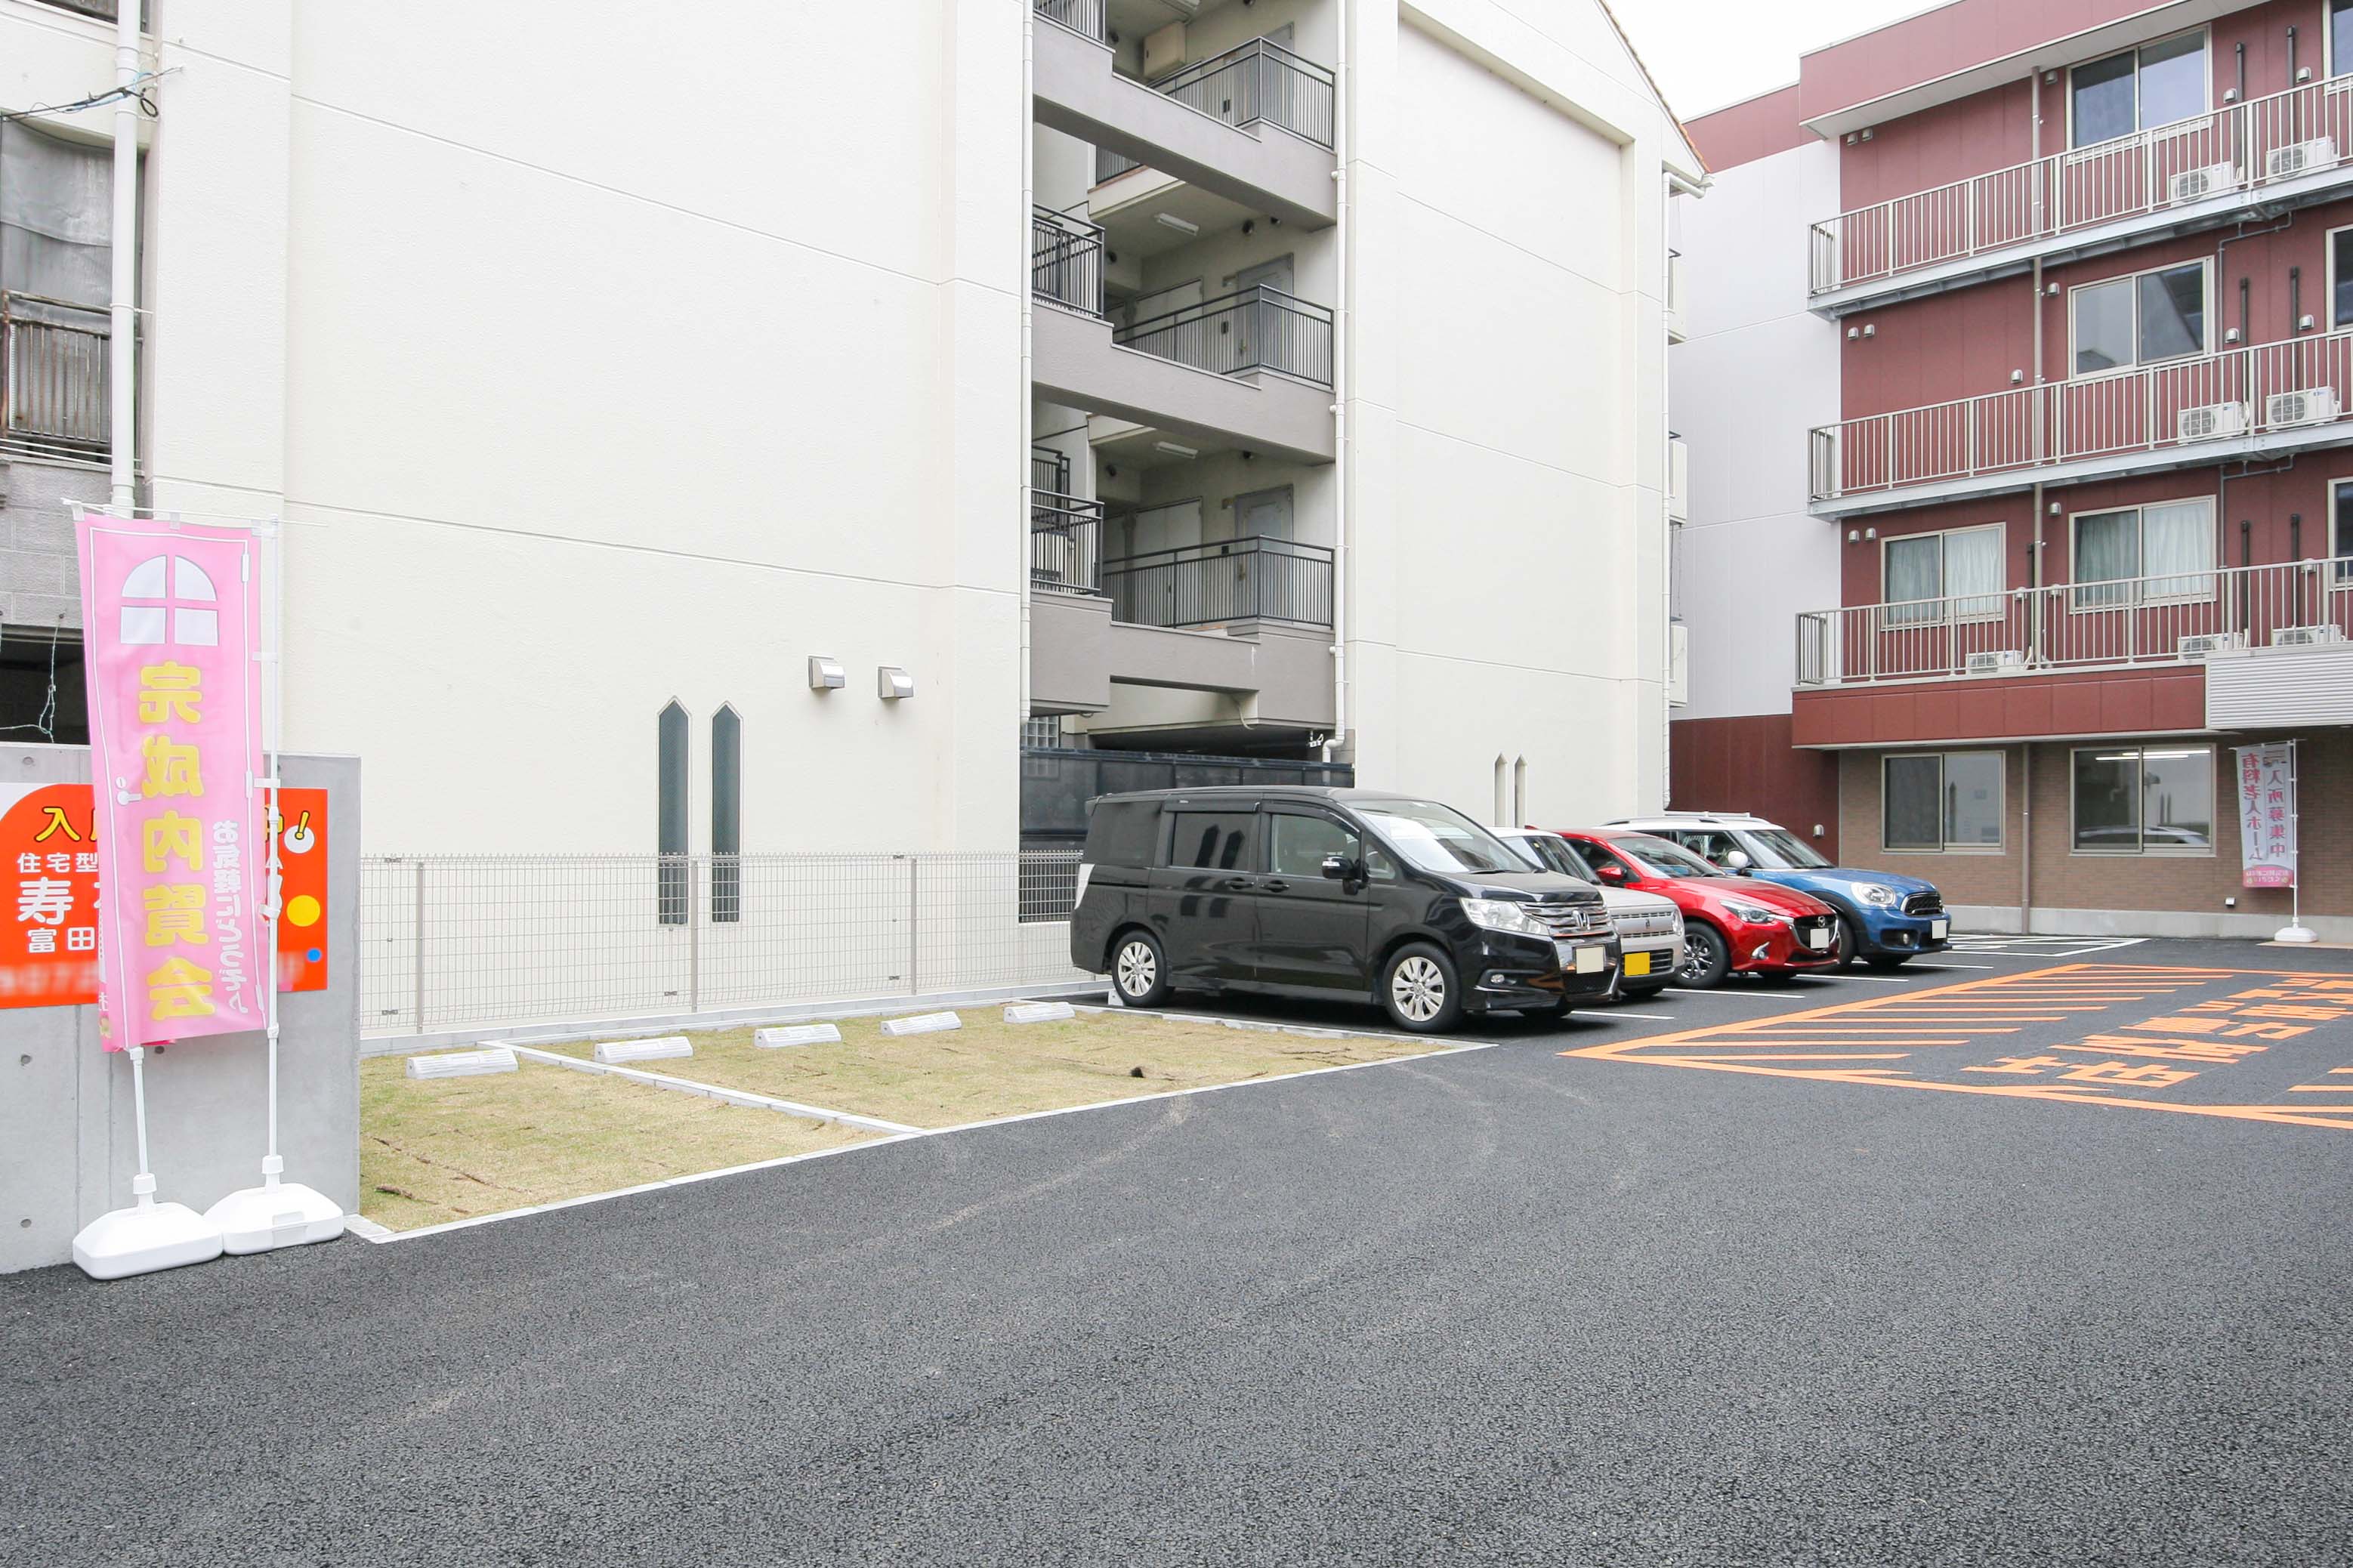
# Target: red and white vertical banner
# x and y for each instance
(2267, 816)
(172, 622)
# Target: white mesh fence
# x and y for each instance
(454, 942)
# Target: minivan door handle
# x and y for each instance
(1276, 885)
(1237, 884)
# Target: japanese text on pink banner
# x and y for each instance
(2267, 816)
(172, 622)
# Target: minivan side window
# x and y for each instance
(1296, 845)
(1219, 841)
(1122, 833)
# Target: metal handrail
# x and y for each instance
(2163, 618)
(1065, 543)
(1089, 18)
(1276, 331)
(1251, 578)
(54, 375)
(2193, 402)
(1066, 260)
(2260, 141)
(1258, 80)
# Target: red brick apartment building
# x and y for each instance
(2017, 386)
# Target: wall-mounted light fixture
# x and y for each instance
(826, 674)
(1173, 450)
(893, 684)
(1182, 226)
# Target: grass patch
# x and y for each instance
(443, 1149)
(990, 1067)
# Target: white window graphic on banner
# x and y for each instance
(164, 601)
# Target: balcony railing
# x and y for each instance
(2238, 147)
(1110, 165)
(1231, 580)
(1258, 80)
(1065, 543)
(1257, 328)
(2063, 626)
(53, 376)
(2261, 389)
(1066, 260)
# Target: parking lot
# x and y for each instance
(1731, 1277)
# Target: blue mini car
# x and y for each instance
(1885, 918)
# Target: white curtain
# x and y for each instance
(2178, 549)
(2107, 550)
(1973, 573)
(1916, 573)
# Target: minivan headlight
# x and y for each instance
(1503, 914)
(1755, 914)
(1873, 893)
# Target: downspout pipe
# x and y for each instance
(1341, 104)
(1027, 395)
(123, 316)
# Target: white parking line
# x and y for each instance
(1613, 1013)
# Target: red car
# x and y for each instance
(1731, 924)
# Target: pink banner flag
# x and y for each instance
(171, 623)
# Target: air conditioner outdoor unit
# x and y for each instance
(2314, 405)
(2300, 157)
(1995, 663)
(2306, 637)
(2212, 643)
(2212, 422)
(2197, 184)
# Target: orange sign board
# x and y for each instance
(48, 953)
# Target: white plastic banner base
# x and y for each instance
(274, 1214)
(144, 1238)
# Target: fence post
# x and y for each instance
(693, 939)
(914, 862)
(417, 957)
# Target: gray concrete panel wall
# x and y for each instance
(1073, 360)
(68, 1140)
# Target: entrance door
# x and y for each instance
(1257, 337)
(1263, 580)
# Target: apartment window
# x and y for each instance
(2340, 45)
(2141, 319)
(2143, 800)
(2341, 272)
(2139, 90)
(1940, 800)
(2172, 546)
(2340, 530)
(1927, 577)
(727, 817)
(670, 809)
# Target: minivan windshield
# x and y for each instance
(1434, 837)
(1662, 858)
(1778, 850)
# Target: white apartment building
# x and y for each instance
(1282, 379)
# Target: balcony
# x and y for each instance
(1259, 329)
(2183, 618)
(2290, 149)
(53, 379)
(1222, 583)
(1254, 124)
(2244, 402)
(1065, 543)
(1066, 260)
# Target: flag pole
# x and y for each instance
(2296, 930)
(278, 1213)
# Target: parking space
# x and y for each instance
(2244, 1040)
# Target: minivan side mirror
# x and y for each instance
(1737, 860)
(1340, 869)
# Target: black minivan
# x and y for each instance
(1308, 891)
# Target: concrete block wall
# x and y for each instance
(38, 579)
(68, 1140)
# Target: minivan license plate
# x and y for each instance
(1584, 960)
(1936, 930)
(1637, 963)
(1817, 940)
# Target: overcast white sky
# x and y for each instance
(1709, 53)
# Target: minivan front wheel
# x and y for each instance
(1419, 988)
(1139, 969)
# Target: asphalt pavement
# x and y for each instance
(1670, 1305)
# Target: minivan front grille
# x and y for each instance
(1566, 919)
(1931, 902)
(1661, 922)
